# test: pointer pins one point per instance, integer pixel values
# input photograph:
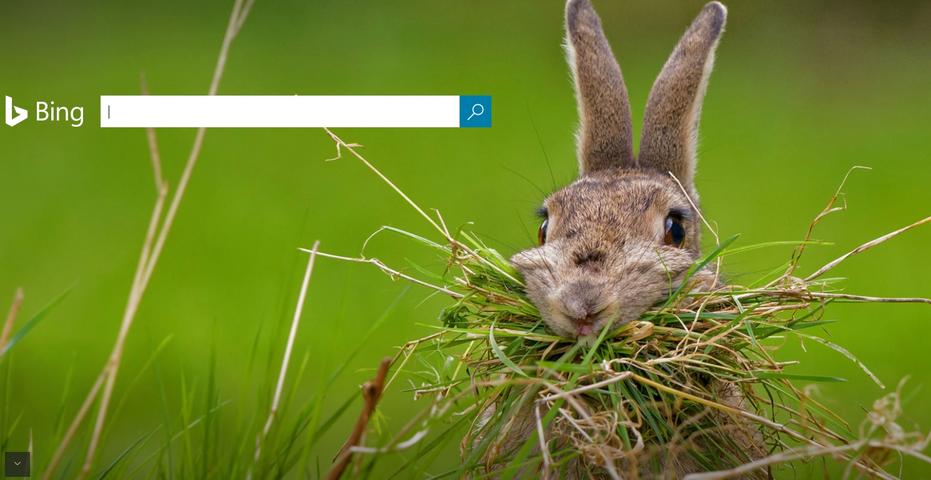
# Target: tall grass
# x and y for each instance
(204, 433)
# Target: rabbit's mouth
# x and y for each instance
(572, 322)
(591, 323)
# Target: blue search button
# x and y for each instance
(474, 111)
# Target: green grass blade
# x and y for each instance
(33, 322)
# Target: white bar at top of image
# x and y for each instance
(279, 111)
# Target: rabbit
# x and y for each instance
(615, 241)
(610, 241)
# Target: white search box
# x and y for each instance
(295, 111)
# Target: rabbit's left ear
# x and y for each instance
(670, 126)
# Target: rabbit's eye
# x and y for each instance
(541, 234)
(675, 232)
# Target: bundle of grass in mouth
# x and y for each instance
(615, 348)
(692, 385)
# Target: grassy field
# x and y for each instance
(802, 91)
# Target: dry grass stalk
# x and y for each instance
(866, 246)
(371, 393)
(286, 358)
(73, 427)
(154, 242)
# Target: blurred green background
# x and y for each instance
(802, 91)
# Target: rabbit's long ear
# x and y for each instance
(670, 127)
(604, 138)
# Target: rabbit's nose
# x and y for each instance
(582, 303)
(587, 316)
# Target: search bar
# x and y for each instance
(295, 111)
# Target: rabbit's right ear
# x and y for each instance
(604, 138)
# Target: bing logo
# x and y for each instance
(21, 113)
(45, 112)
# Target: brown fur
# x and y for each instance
(604, 259)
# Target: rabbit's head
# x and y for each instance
(621, 237)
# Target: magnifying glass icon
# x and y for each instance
(477, 111)
(474, 111)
